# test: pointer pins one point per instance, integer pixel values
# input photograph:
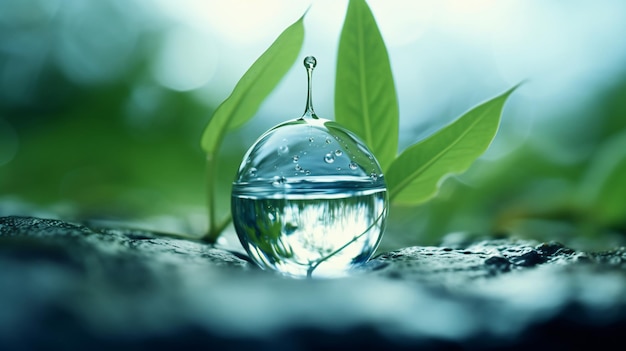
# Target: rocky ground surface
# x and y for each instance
(87, 286)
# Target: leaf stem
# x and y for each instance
(210, 171)
(215, 228)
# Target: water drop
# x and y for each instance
(329, 158)
(310, 62)
(252, 172)
(302, 214)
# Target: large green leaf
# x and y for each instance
(415, 175)
(365, 95)
(255, 85)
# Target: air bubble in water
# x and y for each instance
(329, 158)
(278, 180)
(283, 150)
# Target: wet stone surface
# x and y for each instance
(450, 267)
(74, 286)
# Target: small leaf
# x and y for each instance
(603, 190)
(365, 95)
(255, 85)
(415, 175)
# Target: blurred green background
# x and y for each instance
(102, 105)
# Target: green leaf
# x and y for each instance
(365, 95)
(414, 176)
(251, 90)
(603, 190)
(255, 85)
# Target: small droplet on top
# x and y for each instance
(338, 153)
(328, 140)
(353, 166)
(295, 158)
(310, 62)
(252, 172)
(311, 139)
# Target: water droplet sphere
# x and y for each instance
(321, 219)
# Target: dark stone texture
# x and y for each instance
(66, 286)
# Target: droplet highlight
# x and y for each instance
(329, 158)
